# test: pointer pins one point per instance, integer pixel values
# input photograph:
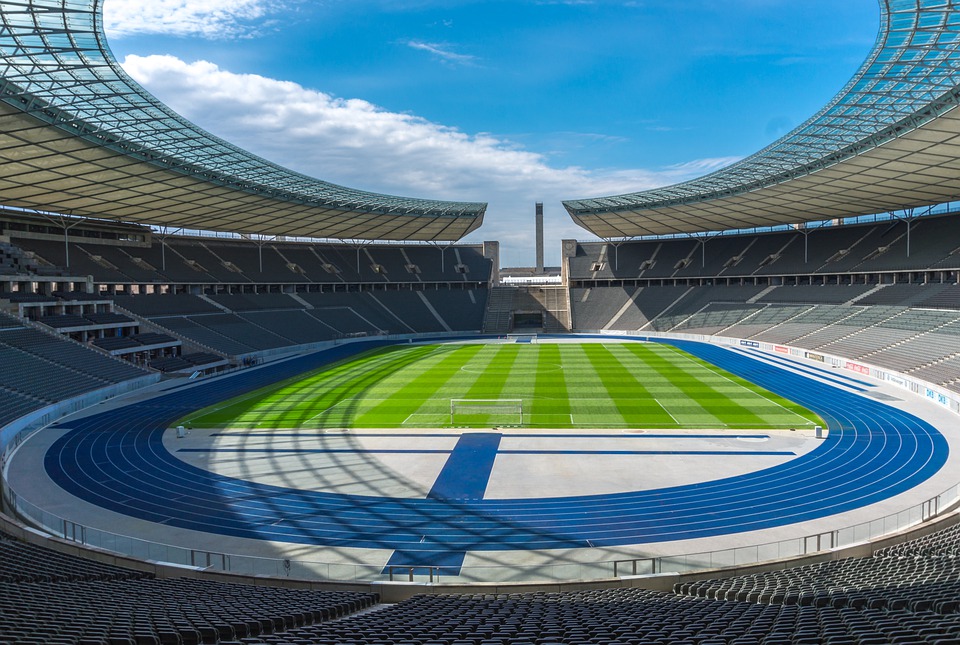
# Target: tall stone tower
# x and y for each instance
(539, 238)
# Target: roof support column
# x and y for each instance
(908, 216)
(909, 226)
(260, 241)
(806, 244)
(66, 222)
(442, 246)
(360, 244)
(163, 234)
(702, 238)
(615, 243)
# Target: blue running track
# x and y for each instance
(117, 460)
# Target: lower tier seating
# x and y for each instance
(899, 596)
(622, 617)
(54, 599)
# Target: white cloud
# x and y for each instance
(443, 52)
(355, 143)
(214, 19)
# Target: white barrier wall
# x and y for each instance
(13, 434)
(937, 394)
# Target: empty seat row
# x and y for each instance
(54, 598)
(894, 597)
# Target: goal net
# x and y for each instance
(486, 412)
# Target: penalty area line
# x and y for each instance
(670, 414)
(322, 412)
(717, 371)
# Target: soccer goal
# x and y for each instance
(486, 412)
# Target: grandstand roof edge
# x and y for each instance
(88, 97)
(908, 80)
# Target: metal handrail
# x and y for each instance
(365, 572)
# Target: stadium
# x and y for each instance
(243, 405)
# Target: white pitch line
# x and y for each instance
(226, 404)
(656, 400)
(409, 416)
(664, 408)
(328, 409)
(713, 369)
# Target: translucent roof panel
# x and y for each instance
(76, 128)
(909, 80)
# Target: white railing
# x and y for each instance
(560, 570)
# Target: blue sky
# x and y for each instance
(508, 102)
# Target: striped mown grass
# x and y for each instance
(589, 385)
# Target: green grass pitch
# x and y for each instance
(589, 385)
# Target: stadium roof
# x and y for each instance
(890, 140)
(80, 137)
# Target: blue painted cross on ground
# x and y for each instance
(467, 471)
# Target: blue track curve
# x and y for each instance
(117, 460)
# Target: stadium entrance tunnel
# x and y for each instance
(531, 320)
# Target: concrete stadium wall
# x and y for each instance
(15, 432)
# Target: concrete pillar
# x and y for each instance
(491, 251)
